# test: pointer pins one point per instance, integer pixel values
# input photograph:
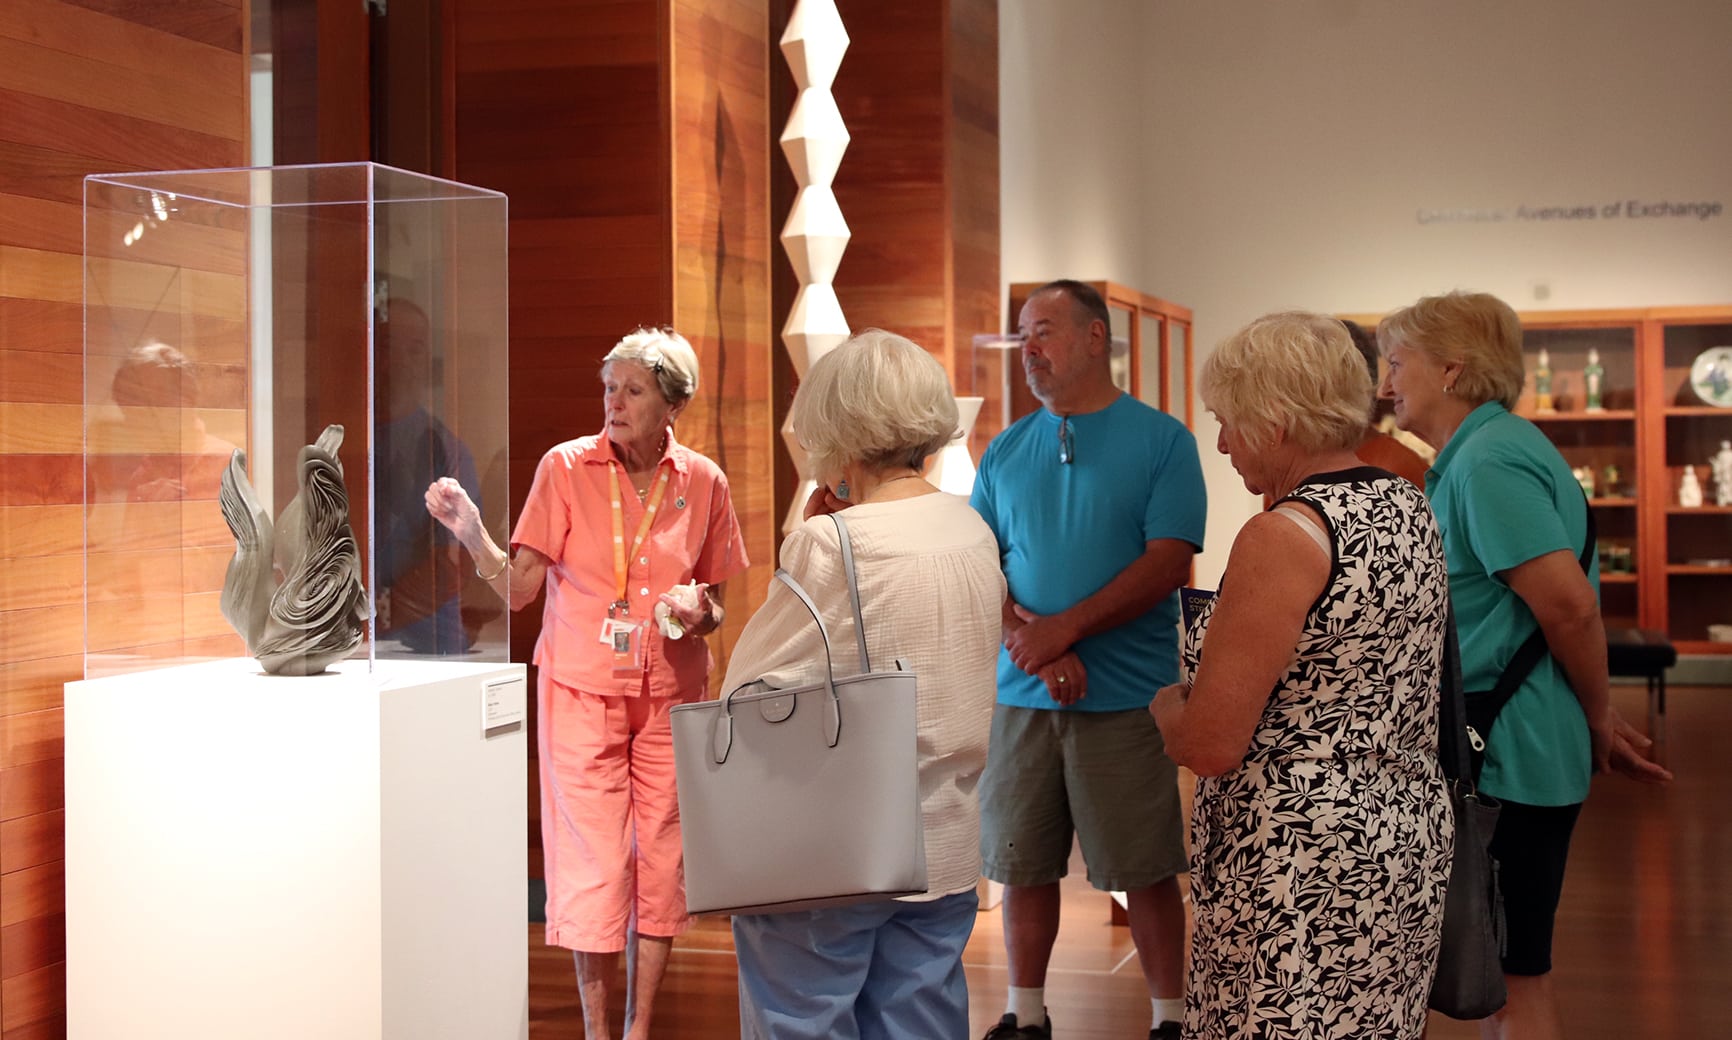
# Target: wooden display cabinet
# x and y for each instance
(1152, 358)
(1692, 549)
(1606, 444)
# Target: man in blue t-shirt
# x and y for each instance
(1098, 504)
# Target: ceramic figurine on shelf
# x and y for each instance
(1593, 378)
(1543, 385)
(1721, 467)
(1585, 477)
(1689, 490)
(1609, 480)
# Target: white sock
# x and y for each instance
(1028, 1004)
(1166, 1010)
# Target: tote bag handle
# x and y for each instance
(833, 703)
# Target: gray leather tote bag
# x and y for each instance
(801, 798)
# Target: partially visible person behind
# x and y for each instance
(1321, 830)
(612, 523)
(160, 447)
(1514, 523)
(1378, 448)
(1098, 505)
(418, 579)
(870, 414)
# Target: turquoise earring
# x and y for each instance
(842, 490)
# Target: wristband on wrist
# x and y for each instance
(497, 573)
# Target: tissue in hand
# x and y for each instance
(669, 622)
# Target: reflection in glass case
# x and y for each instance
(250, 310)
(995, 376)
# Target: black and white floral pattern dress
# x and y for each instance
(1318, 866)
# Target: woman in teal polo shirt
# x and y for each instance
(1514, 524)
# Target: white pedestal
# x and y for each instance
(336, 856)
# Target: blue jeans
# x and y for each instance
(873, 971)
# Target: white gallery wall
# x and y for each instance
(1353, 155)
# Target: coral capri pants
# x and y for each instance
(610, 818)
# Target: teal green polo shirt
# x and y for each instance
(1504, 496)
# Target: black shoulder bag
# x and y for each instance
(1483, 707)
(1468, 983)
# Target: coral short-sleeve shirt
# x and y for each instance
(569, 519)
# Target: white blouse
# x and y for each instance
(932, 594)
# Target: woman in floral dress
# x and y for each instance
(1321, 831)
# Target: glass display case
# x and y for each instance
(994, 373)
(249, 310)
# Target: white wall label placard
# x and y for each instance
(504, 704)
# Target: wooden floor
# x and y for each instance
(1643, 949)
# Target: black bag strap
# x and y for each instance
(1529, 653)
(1452, 729)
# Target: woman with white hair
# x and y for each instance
(870, 414)
(1321, 831)
(615, 524)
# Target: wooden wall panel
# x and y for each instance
(971, 176)
(560, 107)
(32, 841)
(34, 685)
(632, 139)
(918, 89)
(87, 86)
(722, 251)
(890, 91)
(42, 325)
(29, 1001)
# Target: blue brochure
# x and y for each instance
(1191, 604)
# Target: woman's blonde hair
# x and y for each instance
(1478, 331)
(666, 354)
(1296, 373)
(879, 400)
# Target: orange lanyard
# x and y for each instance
(654, 503)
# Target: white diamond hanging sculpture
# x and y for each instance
(815, 235)
(814, 42)
(815, 325)
(815, 138)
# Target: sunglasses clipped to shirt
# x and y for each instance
(1066, 442)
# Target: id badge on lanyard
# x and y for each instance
(625, 636)
(620, 631)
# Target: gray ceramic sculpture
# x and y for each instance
(316, 615)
